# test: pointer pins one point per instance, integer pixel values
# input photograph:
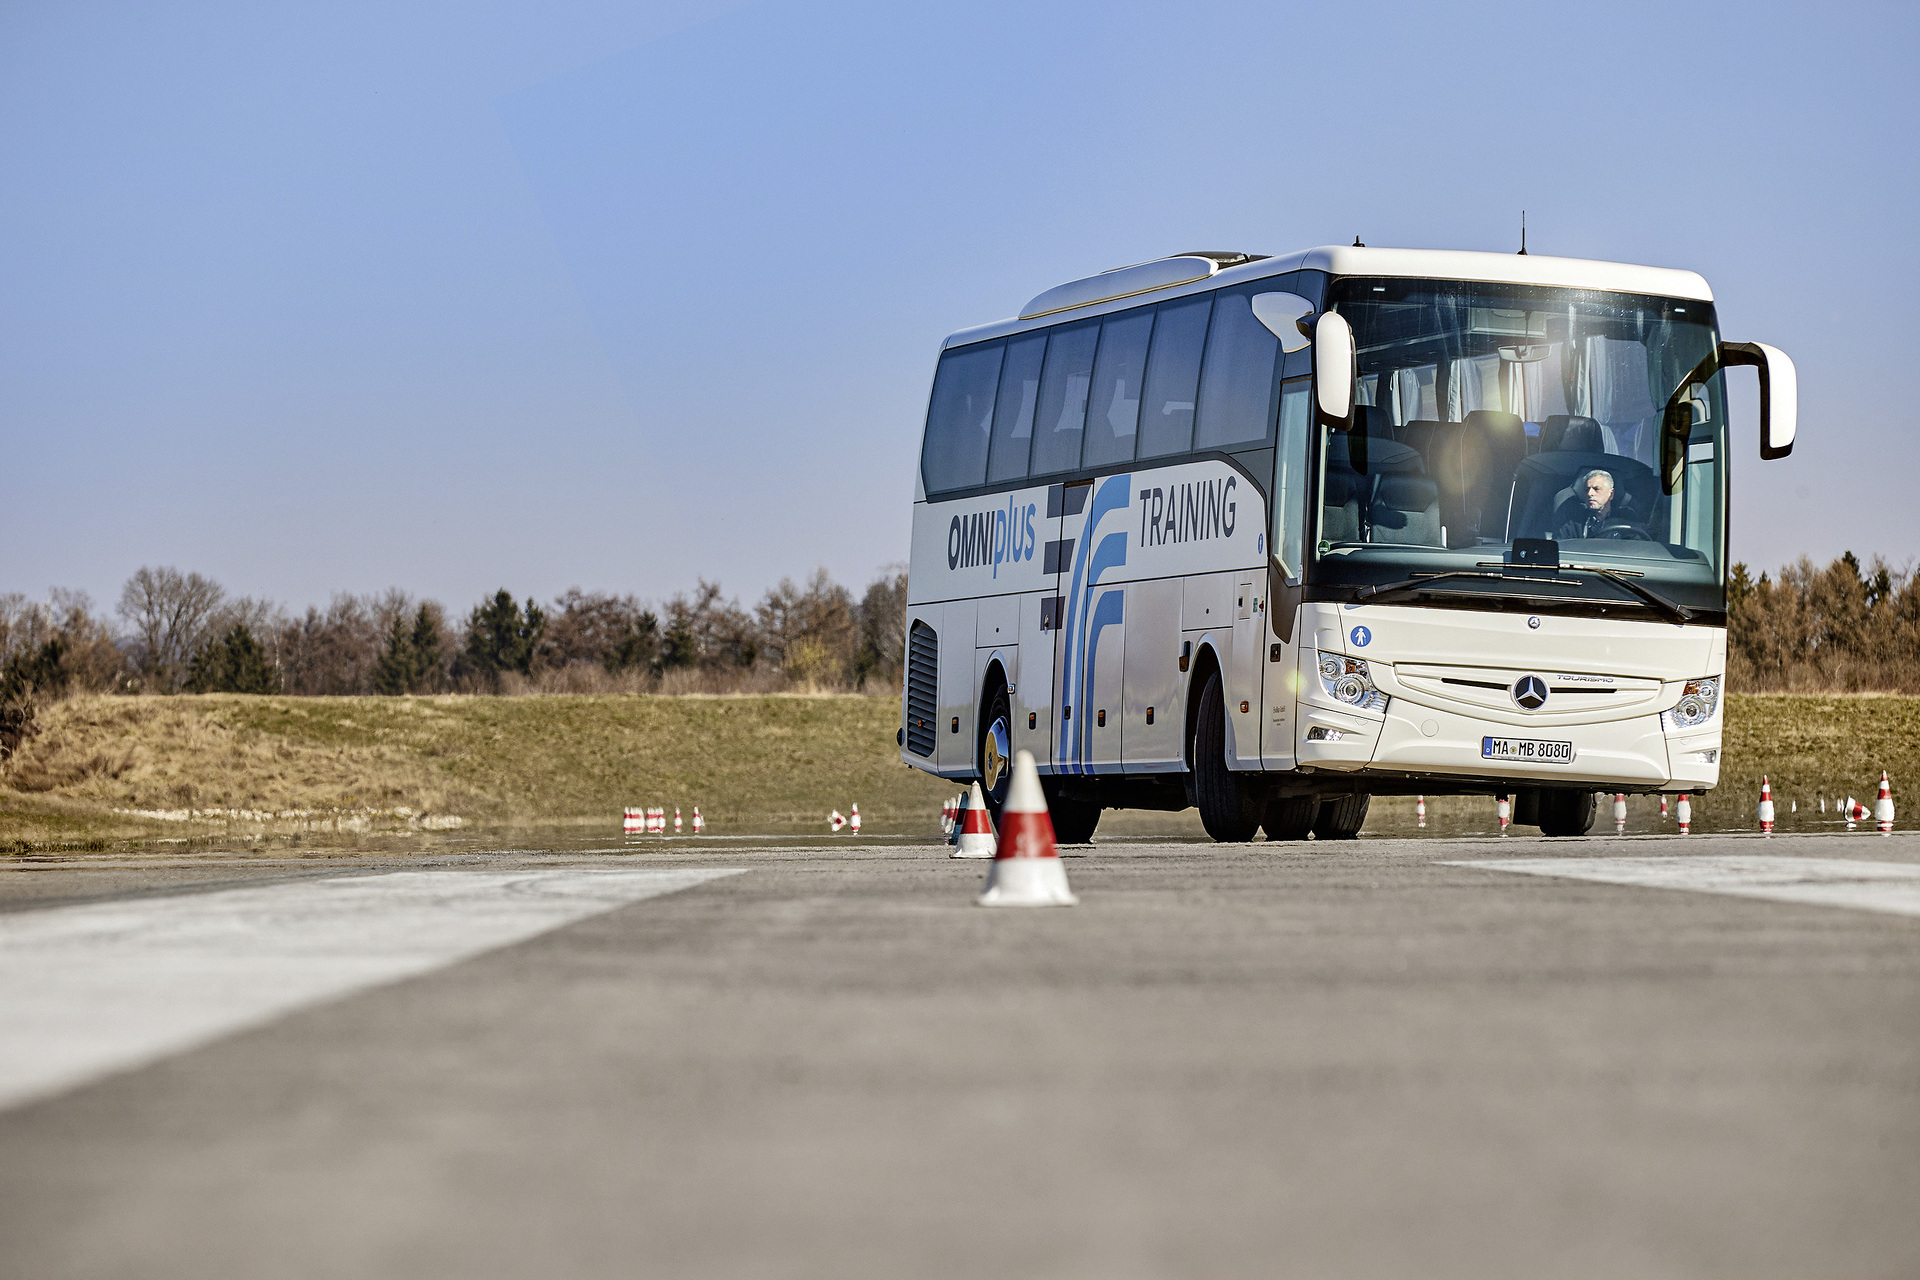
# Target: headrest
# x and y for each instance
(1572, 433)
(1495, 425)
(1407, 492)
(1374, 420)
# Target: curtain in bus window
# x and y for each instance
(1013, 411)
(1237, 377)
(1173, 377)
(959, 417)
(1622, 403)
(1113, 410)
(1063, 397)
(1476, 383)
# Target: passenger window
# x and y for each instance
(1063, 397)
(1237, 379)
(958, 418)
(1114, 412)
(1173, 377)
(1290, 479)
(1013, 412)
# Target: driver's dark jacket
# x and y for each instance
(1588, 524)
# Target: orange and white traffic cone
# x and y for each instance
(1619, 813)
(1683, 810)
(976, 828)
(629, 820)
(1026, 871)
(946, 817)
(1766, 805)
(1663, 804)
(835, 821)
(1420, 810)
(699, 823)
(676, 819)
(1883, 807)
(660, 820)
(853, 820)
(1503, 809)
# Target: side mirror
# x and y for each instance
(1779, 393)
(1285, 315)
(1334, 371)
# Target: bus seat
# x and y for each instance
(1406, 509)
(1374, 420)
(1340, 514)
(1418, 436)
(1447, 463)
(1570, 432)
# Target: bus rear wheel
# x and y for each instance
(1567, 813)
(996, 752)
(1228, 813)
(1341, 819)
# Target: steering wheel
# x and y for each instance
(1626, 533)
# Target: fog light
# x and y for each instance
(1320, 733)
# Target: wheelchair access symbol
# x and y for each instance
(1360, 636)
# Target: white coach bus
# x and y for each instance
(1274, 535)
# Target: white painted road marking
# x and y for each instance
(92, 989)
(1891, 887)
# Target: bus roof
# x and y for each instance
(1185, 274)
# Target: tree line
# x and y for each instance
(174, 632)
(1837, 629)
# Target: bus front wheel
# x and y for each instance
(1228, 813)
(1566, 813)
(1073, 820)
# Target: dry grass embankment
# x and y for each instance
(103, 767)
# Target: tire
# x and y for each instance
(995, 754)
(1229, 814)
(1290, 817)
(1073, 820)
(1341, 819)
(1567, 813)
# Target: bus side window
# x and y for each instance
(1237, 380)
(1173, 377)
(1290, 478)
(958, 418)
(1113, 414)
(1013, 413)
(1063, 397)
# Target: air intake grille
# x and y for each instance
(923, 667)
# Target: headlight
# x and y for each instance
(1698, 701)
(1348, 680)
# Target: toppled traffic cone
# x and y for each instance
(1856, 811)
(1683, 810)
(1027, 871)
(699, 823)
(1883, 807)
(854, 820)
(976, 829)
(1766, 805)
(835, 821)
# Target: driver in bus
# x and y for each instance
(1591, 509)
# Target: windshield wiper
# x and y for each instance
(1629, 582)
(1625, 581)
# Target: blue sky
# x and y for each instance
(312, 298)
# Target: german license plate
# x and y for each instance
(1526, 750)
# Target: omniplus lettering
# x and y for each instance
(994, 537)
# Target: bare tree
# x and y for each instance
(170, 615)
(883, 627)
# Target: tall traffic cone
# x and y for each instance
(959, 820)
(1027, 871)
(946, 816)
(1619, 812)
(1766, 805)
(699, 823)
(1683, 810)
(976, 829)
(1663, 804)
(660, 820)
(853, 820)
(835, 821)
(1420, 810)
(1883, 807)
(676, 819)
(1503, 809)
(629, 820)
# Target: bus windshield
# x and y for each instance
(1495, 412)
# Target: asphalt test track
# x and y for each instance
(1328, 1059)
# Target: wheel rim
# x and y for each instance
(997, 763)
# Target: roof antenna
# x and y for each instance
(1523, 232)
(1357, 244)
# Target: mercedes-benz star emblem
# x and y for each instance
(1530, 692)
(1534, 623)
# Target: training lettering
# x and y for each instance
(1188, 512)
